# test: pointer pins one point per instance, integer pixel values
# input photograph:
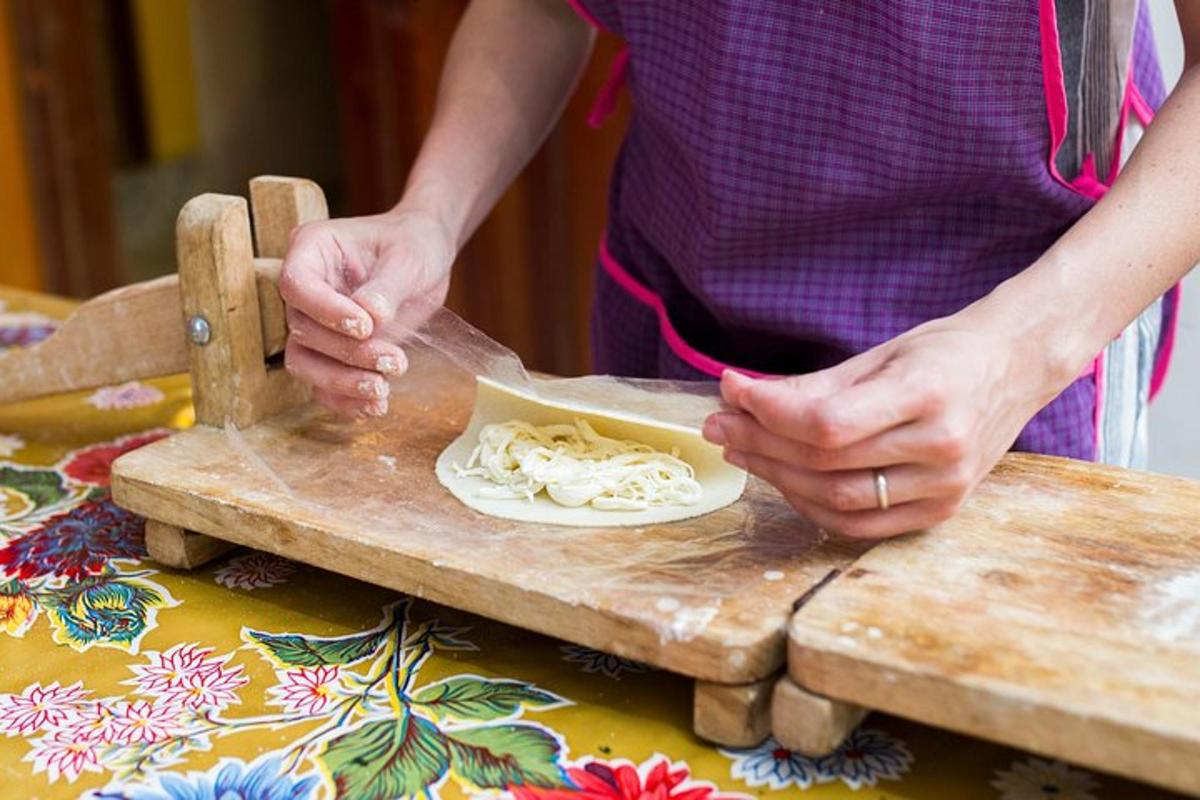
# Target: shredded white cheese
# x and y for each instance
(577, 466)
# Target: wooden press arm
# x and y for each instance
(130, 333)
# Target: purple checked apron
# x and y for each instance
(802, 181)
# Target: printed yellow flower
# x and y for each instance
(16, 612)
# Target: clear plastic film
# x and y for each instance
(376, 476)
(445, 335)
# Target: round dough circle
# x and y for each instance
(722, 483)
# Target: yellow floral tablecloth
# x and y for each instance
(262, 679)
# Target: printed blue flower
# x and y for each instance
(864, 758)
(771, 764)
(603, 663)
(231, 779)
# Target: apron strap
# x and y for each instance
(606, 99)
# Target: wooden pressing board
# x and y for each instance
(1059, 612)
(708, 598)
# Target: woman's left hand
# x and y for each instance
(933, 409)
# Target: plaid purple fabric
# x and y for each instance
(802, 181)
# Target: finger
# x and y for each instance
(303, 286)
(877, 524)
(350, 407)
(879, 402)
(373, 354)
(814, 384)
(332, 376)
(852, 490)
(910, 443)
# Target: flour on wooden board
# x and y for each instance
(1171, 608)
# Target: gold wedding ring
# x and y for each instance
(881, 490)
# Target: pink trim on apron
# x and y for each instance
(1087, 183)
(1167, 347)
(606, 99)
(587, 16)
(1100, 367)
(645, 296)
(1145, 114)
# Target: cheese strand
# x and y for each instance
(576, 466)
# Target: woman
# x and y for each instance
(903, 206)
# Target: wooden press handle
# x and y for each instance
(127, 334)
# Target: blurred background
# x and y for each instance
(114, 112)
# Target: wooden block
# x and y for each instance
(217, 283)
(180, 549)
(1059, 612)
(280, 205)
(733, 715)
(131, 333)
(809, 723)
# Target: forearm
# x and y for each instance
(1133, 245)
(510, 69)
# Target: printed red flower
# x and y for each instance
(304, 690)
(169, 669)
(39, 707)
(655, 779)
(93, 464)
(60, 755)
(76, 543)
(144, 722)
(215, 689)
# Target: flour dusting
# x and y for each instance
(689, 622)
(1171, 609)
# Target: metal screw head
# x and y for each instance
(198, 330)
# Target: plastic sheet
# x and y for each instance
(446, 335)
(377, 475)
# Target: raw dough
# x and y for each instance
(722, 483)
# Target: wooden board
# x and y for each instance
(1059, 612)
(709, 598)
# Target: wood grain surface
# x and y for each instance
(733, 715)
(127, 334)
(1059, 612)
(709, 597)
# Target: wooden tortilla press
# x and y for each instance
(1058, 612)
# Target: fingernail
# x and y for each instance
(377, 302)
(373, 388)
(714, 432)
(736, 458)
(735, 377)
(377, 409)
(356, 326)
(388, 365)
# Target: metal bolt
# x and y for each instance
(199, 331)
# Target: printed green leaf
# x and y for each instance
(43, 486)
(387, 759)
(294, 650)
(501, 756)
(474, 699)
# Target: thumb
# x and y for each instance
(384, 293)
(787, 406)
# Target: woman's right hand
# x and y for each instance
(343, 281)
